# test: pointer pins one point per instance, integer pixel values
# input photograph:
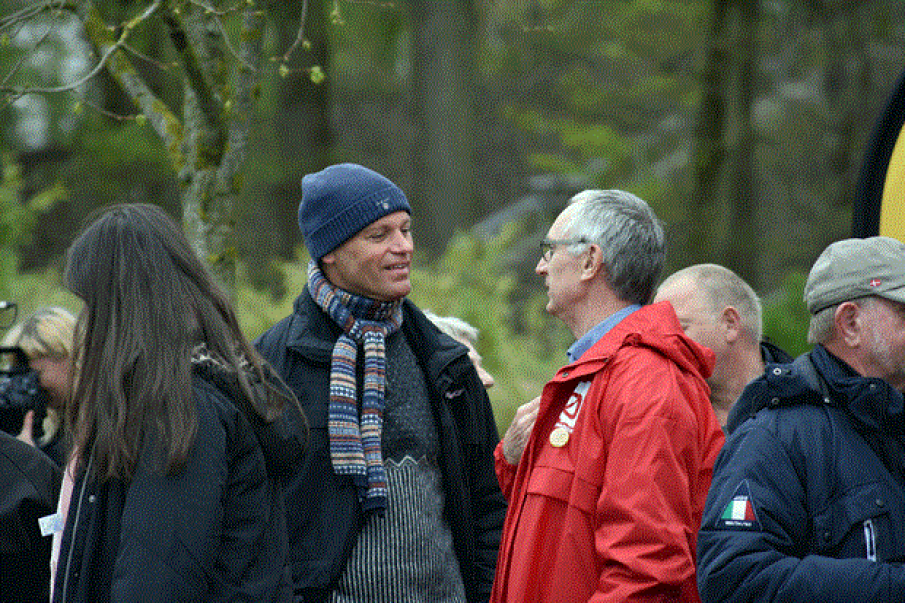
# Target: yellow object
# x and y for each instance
(892, 209)
(559, 437)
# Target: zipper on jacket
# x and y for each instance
(870, 542)
(75, 523)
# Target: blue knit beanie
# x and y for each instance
(341, 200)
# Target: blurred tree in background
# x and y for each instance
(202, 116)
(19, 215)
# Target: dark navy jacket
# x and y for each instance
(742, 408)
(324, 515)
(807, 501)
(214, 531)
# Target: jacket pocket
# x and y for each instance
(566, 486)
(858, 525)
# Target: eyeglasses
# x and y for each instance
(548, 246)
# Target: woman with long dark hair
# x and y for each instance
(183, 433)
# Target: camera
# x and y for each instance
(20, 389)
(20, 385)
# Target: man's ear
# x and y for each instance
(848, 319)
(328, 258)
(731, 321)
(592, 262)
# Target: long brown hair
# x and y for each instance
(148, 301)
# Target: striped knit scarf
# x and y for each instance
(355, 445)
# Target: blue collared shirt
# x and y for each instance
(581, 346)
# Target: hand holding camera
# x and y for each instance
(21, 394)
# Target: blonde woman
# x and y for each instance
(45, 337)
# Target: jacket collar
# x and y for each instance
(653, 326)
(872, 402)
(314, 335)
(586, 341)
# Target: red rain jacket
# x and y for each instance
(606, 502)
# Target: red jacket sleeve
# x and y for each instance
(505, 471)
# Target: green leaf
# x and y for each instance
(317, 74)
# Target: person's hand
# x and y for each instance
(27, 433)
(517, 435)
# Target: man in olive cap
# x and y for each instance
(808, 495)
(398, 500)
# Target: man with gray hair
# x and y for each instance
(719, 310)
(606, 473)
(808, 495)
(467, 335)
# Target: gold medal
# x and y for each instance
(559, 437)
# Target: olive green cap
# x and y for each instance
(855, 268)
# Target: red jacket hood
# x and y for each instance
(653, 326)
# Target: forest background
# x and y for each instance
(742, 122)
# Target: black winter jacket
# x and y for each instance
(808, 497)
(215, 531)
(29, 486)
(324, 515)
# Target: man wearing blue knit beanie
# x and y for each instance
(398, 499)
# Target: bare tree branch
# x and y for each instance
(18, 92)
(191, 34)
(29, 12)
(208, 143)
(217, 14)
(300, 37)
(107, 113)
(165, 123)
(19, 20)
(213, 10)
(209, 203)
(145, 58)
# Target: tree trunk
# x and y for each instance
(741, 245)
(722, 221)
(208, 146)
(847, 82)
(442, 190)
(708, 150)
(304, 129)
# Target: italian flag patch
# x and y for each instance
(740, 512)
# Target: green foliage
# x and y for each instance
(554, 163)
(619, 87)
(18, 219)
(111, 145)
(786, 317)
(258, 309)
(368, 42)
(35, 290)
(118, 162)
